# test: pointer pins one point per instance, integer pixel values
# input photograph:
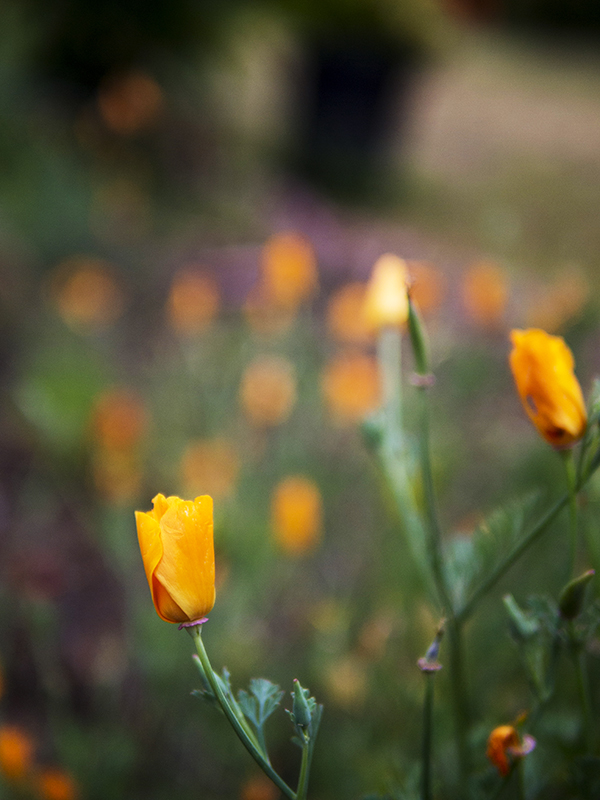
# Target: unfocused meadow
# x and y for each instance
(191, 204)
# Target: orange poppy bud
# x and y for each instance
(504, 742)
(16, 752)
(289, 269)
(386, 302)
(176, 541)
(542, 366)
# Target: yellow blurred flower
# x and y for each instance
(176, 542)
(259, 787)
(542, 366)
(85, 293)
(296, 514)
(193, 301)
(386, 301)
(345, 317)
(268, 390)
(119, 420)
(427, 286)
(210, 466)
(556, 304)
(346, 681)
(350, 383)
(289, 269)
(16, 753)
(505, 745)
(130, 103)
(485, 292)
(55, 784)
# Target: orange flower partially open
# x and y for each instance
(176, 542)
(504, 744)
(386, 302)
(542, 366)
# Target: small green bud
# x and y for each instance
(301, 708)
(418, 339)
(570, 602)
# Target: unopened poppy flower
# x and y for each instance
(193, 301)
(351, 386)
(56, 784)
(296, 514)
(268, 390)
(176, 542)
(16, 752)
(386, 302)
(542, 366)
(505, 745)
(485, 293)
(289, 269)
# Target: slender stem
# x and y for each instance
(196, 634)
(507, 562)
(427, 736)
(583, 687)
(389, 357)
(304, 772)
(434, 543)
(571, 474)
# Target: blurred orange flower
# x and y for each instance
(130, 103)
(210, 466)
(556, 304)
(345, 318)
(117, 475)
(55, 784)
(289, 269)
(176, 542)
(504, 743)
(268, 390)
(259, 788)
(427, 286)
(350, 383)
(85, 293)
(119, 420)
(542, 366)
(386, 301)
(193, 301)
(485, 292)
(16, 753)
(296, 514)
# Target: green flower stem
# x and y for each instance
(434, 546)
(427, 736)
(389, 358)
(583, 687)
(513, 556)
(304, 772)
(571, 474)
(196, 634)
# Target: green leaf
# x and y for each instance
(470, 559)
(262, 700)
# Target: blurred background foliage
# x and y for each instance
(192, 197)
